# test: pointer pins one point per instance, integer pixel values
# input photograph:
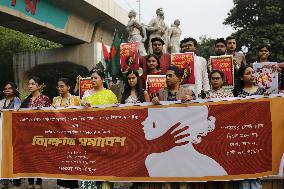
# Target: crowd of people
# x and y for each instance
(208, 84)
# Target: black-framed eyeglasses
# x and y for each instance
(215, 78)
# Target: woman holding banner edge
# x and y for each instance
(245, 86)
(99, 95)
(10, 101)
(65, 99)
(34, 100)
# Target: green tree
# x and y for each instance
(206, 47)
(258, 22)
(12, 42)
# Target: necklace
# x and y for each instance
(10, 104)
(67, 101)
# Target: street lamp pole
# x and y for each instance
(139, 9)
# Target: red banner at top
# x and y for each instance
(129, 57)
(185, 61)
(30, 6)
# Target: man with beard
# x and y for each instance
(239, 58)
(200, 67)
(220, 47)
(164, 58)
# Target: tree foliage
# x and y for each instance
(258, 22)
(206, 47)
(13, 42)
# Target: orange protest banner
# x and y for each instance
(137, 143)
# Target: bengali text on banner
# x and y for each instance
(227, 140)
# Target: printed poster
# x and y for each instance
(267, 76)
(225, 64)
(84, 85)
(155, 83)
(185, 62)
(129, 57)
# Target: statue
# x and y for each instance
(157, 28)
(174, 34)
(135, 29)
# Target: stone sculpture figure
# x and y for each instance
(157, 28)
(137, 32)
(174, 34)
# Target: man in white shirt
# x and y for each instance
(200, 67)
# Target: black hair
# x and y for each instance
(157, 39)
(26, 101)
(217, 71)
(239, 85)
(229, 38)
(176, 70)
(67, 82)
(101, 73)
(264, 46)
(127, 88)
(14, 88)
(37, 80)
(156, 57)
(185, 40)
(220, 40)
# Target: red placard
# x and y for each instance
(129, 57)
(155, 83)
(84, 85)
(224, 64)
(185, 61)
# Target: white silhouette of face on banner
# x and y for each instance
(160, 120)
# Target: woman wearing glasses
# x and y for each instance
(217, 91)
(65, 99)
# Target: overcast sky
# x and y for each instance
(198, 17)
